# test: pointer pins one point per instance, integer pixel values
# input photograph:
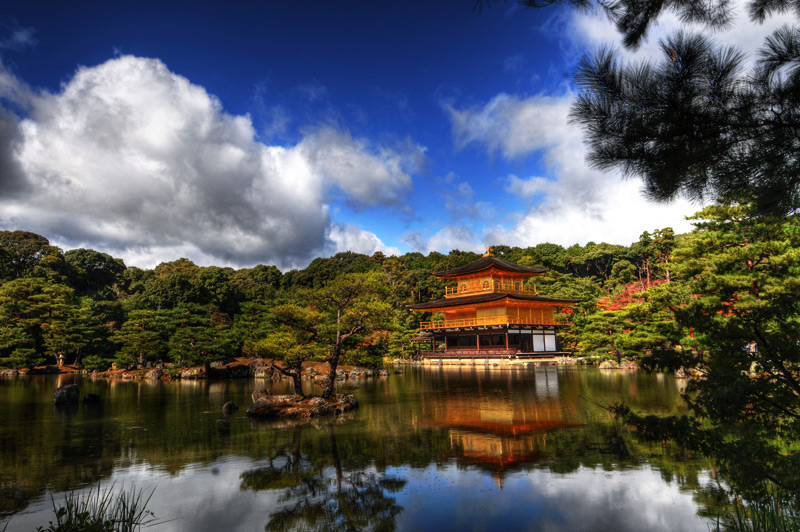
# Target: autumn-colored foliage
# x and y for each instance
(630, 293)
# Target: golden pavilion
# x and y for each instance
(489, 312)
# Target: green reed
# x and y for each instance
(101, 510)
(772, 513)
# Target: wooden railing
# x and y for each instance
(479, 288)
(469, 353)
(489, 353)
(491, 320)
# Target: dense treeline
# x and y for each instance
(87, 308)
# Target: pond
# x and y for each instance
(434, 448)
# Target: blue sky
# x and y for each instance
(276, 132)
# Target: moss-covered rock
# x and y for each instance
(298, 407)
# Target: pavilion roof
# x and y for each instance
(486, 262)
(486, 298)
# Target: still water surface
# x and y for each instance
(432, 449)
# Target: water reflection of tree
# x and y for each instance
(322, 495)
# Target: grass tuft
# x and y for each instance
(101, 510)
(769, 514)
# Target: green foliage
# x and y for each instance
(41, 319)
(199, 337)
(701, 121)
(295, 337)
(21, 252)
(355, 306)
(93, 273)
(568, 286)
(325, 270)
(623, 272)
(257, 284)
(97, 362)
(143, 337)
(400, 346)
(369, 354)
(741, 321)
(771, 513)
(101, 511)
(23, 357)
(252, 325)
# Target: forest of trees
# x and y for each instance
(87, 308)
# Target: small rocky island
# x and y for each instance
(266, 406)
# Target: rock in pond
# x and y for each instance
(297, 407)
(193, 373)
(260, 394)
(69, 393)
(260, 369)
(229, 408)
(154, 374)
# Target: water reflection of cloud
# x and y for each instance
(216, 503)
(547, 381)
(444, 497)
(586, 500)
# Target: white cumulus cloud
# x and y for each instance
(570, 202)
(513, 125)
(368, 177)
(353, 238)
(446, 239)
(136, 160)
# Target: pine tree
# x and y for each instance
(741, 271)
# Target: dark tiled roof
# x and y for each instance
(485, 298)
(485, 263)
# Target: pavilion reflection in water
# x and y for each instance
(501, 426)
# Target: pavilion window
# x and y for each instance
(461, 342)
(493, 340)
(486, 285)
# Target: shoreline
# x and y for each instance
(241, 368)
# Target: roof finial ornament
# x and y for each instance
(488, 252)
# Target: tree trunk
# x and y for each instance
(295, 372)
(298, 383)
(333, 364)
(333, 359)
